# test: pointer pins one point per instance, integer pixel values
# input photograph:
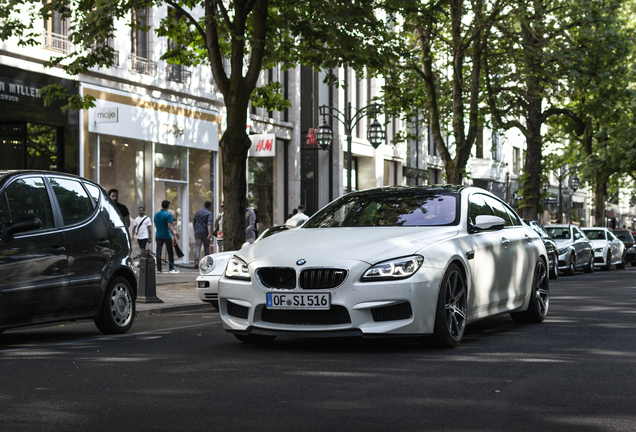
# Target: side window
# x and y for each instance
(74, 202)
(478, 207)
(514, 218)
(499, 210)
(4, 211)
(578, 234)
(28, 197)
(94, 192)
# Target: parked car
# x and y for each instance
(212, 267)
(550, 247)
(394, 261)
(627, 238)
(574, 249)
(608, 249)
(64, 253)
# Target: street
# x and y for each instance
(181, 371)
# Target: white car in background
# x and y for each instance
(394, 261)
(608, 249)
(212, 267)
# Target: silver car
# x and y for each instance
(608, 249)
(574, 248)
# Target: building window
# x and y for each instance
(141, 43)
(516, 162)
(176, 72)
(56, 34)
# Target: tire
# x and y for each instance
(254, 338)
(450, 316)
(608, 266)
(571, 270)
(633, 263)
(215, 304)
(590, 266)
(539, 297)
(554, 267)
(118, 308)
(621, 265)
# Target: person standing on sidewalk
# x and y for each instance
(141, 228)
(165, 234)
(250, 223)
(113, 194)
(202, 222)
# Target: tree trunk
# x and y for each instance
(599, 199)
(234, 147)
(531, 188)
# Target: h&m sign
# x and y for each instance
(263, 145)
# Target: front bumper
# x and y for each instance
(397, 308)
(208, 288)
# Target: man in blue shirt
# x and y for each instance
(202, 223)
(165, 234)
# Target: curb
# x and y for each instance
(171, 309)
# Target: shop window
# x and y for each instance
(261, 190)
(74, 202)
(141, 43)
(170, 162)
(31, 146)
(201, 184)
(122, 167)
(28, 197)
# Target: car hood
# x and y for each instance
(561, 243)
(599, 243)
(368, 244)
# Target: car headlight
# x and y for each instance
(237, 269)
(399, 268)
(598, 249)
(562, 251)
(206, 265)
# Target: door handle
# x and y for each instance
(103, 243)
(505, 242)
(58, 249)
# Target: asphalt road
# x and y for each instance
(182, 372)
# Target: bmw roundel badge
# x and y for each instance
(301, 262)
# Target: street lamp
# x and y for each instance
(575, 183)
(375, 133)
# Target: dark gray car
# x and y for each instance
(64, 253)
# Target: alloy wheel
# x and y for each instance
(455, 304)
(121, 305)
(541, 288)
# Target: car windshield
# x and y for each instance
(559, 233)
(391, 208)
(625, 236)
(595, 234)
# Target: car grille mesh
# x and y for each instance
(237, 311)
(277, 277)
(396, 312)
(322, 278)
(335, 315)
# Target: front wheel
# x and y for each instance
(450, 317)
(571, 270)
(590, 265)
(608, 263)
(554, 267)
(539, 297)
(118, 309)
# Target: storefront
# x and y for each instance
(151, 150)
(33, 136)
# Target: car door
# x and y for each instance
(581, 247)
(33, 264)
(487, 257)
(87, 242)
(617, 247)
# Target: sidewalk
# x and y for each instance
(178, 292)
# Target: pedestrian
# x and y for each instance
(250, 223)
(218, 223)
(165, 235)
(202, 223)
(113, 194)
(298, 219)
(141, 228)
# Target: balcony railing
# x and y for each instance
(143, 66)
(111, 43)
(177, 73)
(56, 42)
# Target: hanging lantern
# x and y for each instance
(376, 134)
(324, 135)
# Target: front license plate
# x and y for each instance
(298, 301)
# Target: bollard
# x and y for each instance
(147, 280)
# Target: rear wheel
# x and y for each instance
(539, 298)
(254, 338)
(450, 317)
(621, 265)
(571, 270)
(589, 268)
(554, 267)
(608, 263)
(118, 308)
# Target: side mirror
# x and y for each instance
(485, 222)
(23, 224)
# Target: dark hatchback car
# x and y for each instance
(64, 253)
(550, 246)
(627, 238)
